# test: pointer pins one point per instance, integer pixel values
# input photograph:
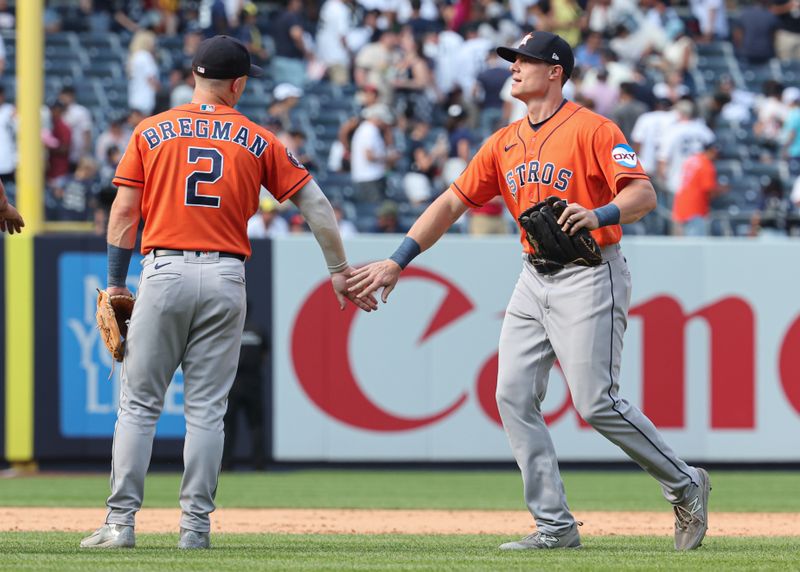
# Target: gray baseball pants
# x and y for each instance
(577, 316)
(190, 310)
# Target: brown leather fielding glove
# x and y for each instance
(113, 315)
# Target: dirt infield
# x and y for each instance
(319, 521)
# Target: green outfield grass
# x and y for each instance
(733, 491)
(241, 553)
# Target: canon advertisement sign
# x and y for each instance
(712, 354)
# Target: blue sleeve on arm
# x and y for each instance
(119, 259)
(406, 252)
(607, 214)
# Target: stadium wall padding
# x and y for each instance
(75, 401)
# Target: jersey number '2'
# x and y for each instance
(193, 198)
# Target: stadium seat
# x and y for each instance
(790, 71)
(106, 72)
(90, 93)
(68, 72)
(100, 43)
(730, 169)
(762, 170)
(755, 76)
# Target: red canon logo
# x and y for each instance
(321, 339)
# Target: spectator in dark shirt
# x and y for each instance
(58, 141)
(249, 34)
(754, 34)
(771, 217)
(291, 50)
(75, 193)
(106, 190)
(489, 83)
(628, 109)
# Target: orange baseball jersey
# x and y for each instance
(577, 155)
(201, 168)
(694, 196)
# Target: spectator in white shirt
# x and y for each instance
(8, 144)
(681, 140)
(370, 156)
(712, 17)
(79, 120)
(267, 222)
(648, 131)
(116, 135)
(142, 72)
(335, 23)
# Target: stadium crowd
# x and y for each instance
(385, 101)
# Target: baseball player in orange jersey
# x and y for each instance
(576, 315)
(194, 174)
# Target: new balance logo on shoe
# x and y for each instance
(695, 505)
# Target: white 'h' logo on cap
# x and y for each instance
(525, 40)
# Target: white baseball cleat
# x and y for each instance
(542, 541)
(110, 536)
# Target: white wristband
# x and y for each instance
(338, 267)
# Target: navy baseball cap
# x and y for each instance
(223, 57)
(550, 48)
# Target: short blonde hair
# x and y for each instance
(142, 40)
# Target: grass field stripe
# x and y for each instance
(19, 347)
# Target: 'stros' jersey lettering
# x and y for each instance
(200, 169)
(576, 155)
(532, 172)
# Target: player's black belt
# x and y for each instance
(169, 252)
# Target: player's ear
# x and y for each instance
(237, 86)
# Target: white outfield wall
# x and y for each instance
(712, 354)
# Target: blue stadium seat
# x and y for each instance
(116, 91)
(730, 169)
(790, 71)
(106, 72)
(68, 72)
(97, 43)
(755, 76)
(90, 93)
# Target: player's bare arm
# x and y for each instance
(123, 223)
(10, 220)
(320, 218)
(428, 228)
(634, 201)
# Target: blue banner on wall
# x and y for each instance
(89, 391)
